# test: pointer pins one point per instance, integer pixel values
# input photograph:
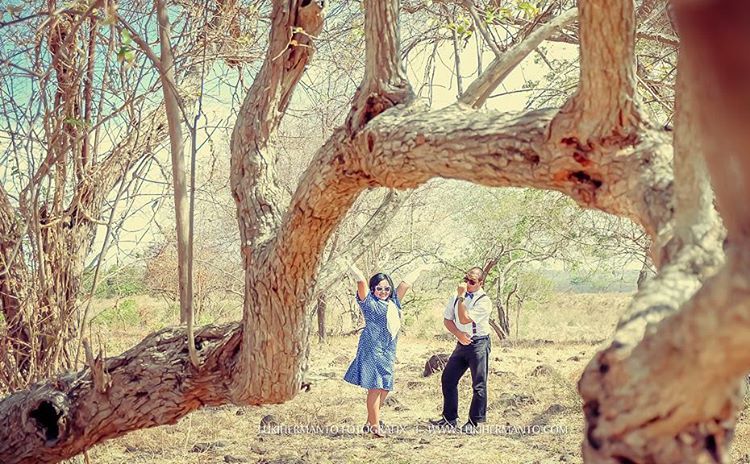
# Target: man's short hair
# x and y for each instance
(478, 270)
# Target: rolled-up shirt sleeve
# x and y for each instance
(448, 312)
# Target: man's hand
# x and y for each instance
(464, 338)
(461, 290)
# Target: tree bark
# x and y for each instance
(667, 388)
(151, 384)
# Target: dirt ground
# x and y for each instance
(534, 413)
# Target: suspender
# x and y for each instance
(474, 302)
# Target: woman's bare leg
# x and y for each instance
(373, 407)
(383, 394)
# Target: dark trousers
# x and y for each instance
(475, 357)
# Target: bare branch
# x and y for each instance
(179, 177)
(498, 70)
(479, 24)
(384, 84)
(336, 266)
(661, 38)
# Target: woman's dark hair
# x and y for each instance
(377, 278)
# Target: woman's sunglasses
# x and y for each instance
(470, 281)
(383, 289)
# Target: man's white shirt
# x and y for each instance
(479, 310)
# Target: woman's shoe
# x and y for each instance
(377, 432)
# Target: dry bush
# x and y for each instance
(215, 273)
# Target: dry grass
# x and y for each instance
(532, 382)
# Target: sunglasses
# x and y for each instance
(382, 289)
(470, 281)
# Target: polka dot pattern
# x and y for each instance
(376, 352)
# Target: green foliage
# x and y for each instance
(493, 14)
(126, 53)
(114, 282)
(528, 9)
(125, 312)
(462, 27)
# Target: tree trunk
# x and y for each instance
(503, 321)
(667, 390)
(321, 311)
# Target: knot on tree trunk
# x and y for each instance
(369, 103)
(48, 417)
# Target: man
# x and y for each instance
(467, 317)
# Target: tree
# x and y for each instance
(666, 390)
(76, 141)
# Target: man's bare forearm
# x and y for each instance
(463, 314)
(451, 326)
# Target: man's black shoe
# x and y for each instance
(469, 428)
(443, 422)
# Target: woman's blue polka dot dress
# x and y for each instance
(376, 352)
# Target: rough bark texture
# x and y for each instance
(603, 111)
(269, 370)
(151, 384)
(667, 388)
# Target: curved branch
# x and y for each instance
(481, 89)
(406, 148)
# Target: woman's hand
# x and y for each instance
(356, 274)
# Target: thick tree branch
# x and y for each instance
(604, 109)
(498, 70)
(253, 177)
(405, 148)
(151, 384)
(384, 84)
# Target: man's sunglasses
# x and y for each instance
(470, 281)
(383, 289)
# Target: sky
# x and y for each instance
(218, 106)
(444, 93)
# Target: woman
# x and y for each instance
(372, 367)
